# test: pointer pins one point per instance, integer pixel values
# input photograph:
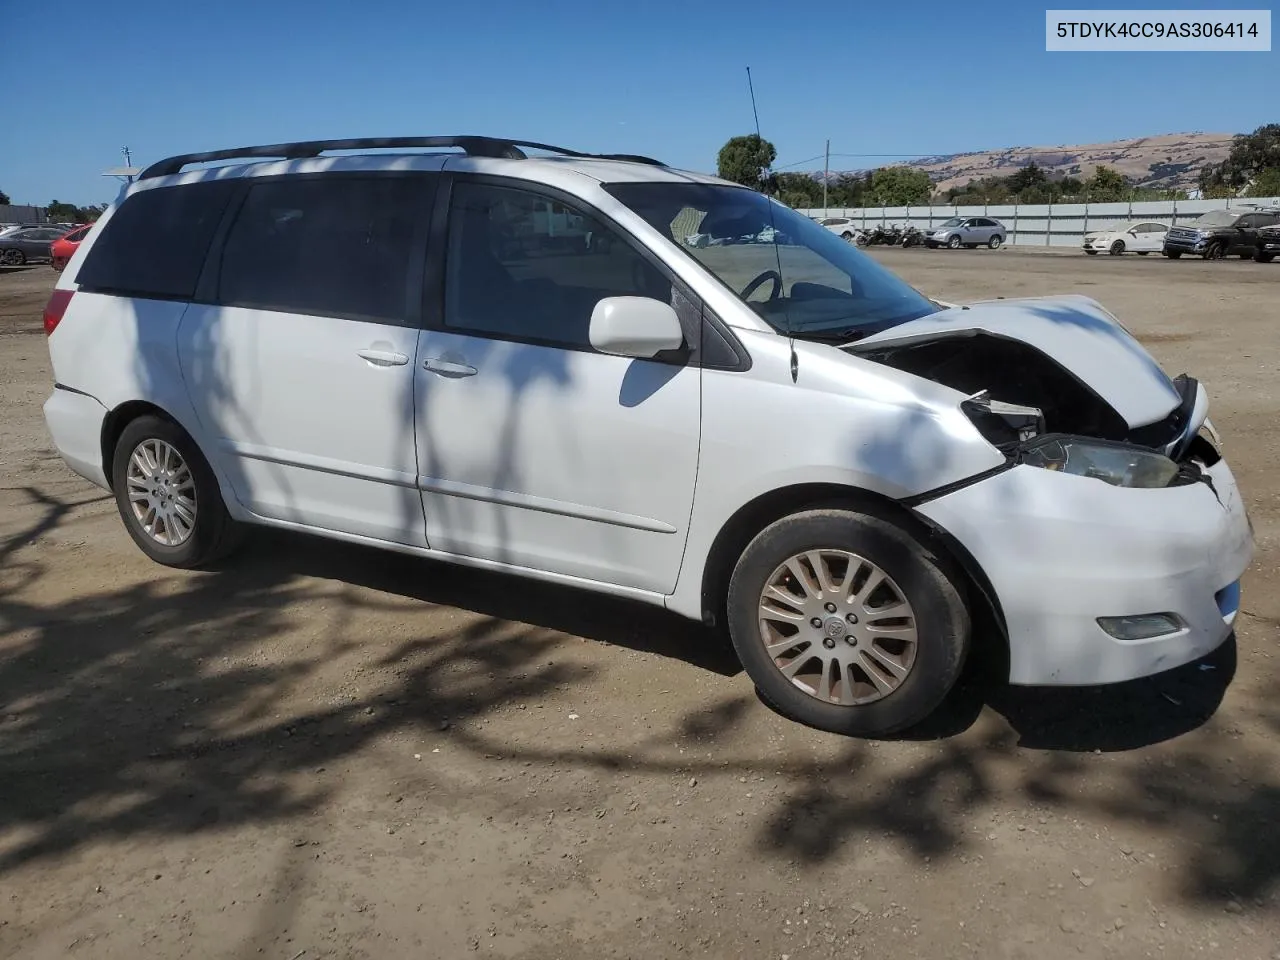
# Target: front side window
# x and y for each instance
(329, 246)
(522, 266)
(796, 275)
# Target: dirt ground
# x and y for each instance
(325, 751)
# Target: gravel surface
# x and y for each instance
(326, 751)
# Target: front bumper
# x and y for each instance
(1061, 551)
(1186, 246)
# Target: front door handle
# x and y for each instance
(383, 358)
(448, 368)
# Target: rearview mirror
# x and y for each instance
(638, 327)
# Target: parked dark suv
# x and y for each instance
(1218, 234)
(1267, 246)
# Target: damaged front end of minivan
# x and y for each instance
(1060, 384)
(1096, 582)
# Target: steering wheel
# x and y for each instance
(773, 275)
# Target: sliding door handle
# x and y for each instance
(383, 358)
(448, 368)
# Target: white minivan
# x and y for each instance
(400, 348)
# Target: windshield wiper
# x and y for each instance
(843, 335)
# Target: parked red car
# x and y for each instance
(62, 248)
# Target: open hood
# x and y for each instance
(1065, 355)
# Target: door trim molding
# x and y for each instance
(507, 498)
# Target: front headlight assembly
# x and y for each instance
(1118, 464)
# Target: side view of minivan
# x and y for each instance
(503, 354)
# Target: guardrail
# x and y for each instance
(1046, 225)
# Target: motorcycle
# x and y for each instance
(912, 236)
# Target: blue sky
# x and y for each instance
(665, 79)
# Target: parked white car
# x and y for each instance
(393, 349)
(1137, 236)
(842, 227)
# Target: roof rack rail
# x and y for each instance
(473, 146)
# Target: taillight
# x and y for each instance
(54, 310)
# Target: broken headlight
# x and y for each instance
(1117, 464)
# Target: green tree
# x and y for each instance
(1266, 183)
(4, 199)
(1251, 155)
(746, 160)
(62, 212)
(1030, 178)
(1106, 185)
(799, 190)
(849, 190)
(899, 187)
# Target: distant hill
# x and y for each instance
(1170, 161)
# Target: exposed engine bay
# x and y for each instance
(1029, 406)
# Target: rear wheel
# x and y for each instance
(995, 241)
(168, 496)
(846, 623)
(12, 257)
(1117, 248)
(847, 236)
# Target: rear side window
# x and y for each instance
(155, 244)
(329, 246)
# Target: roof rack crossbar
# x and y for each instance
(473, 146)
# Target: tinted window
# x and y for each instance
(154, 245)
(523, 266)
(330, 246)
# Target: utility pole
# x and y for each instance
(826, 175)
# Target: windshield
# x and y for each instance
(953, 222)
(1218, 218)
(798, 276)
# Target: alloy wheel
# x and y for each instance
(838, 627)
(162, 492)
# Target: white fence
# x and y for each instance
(1053, 225)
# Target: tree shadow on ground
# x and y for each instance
(153, 711)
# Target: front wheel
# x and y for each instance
(954, 243)
(168, 496)
(1117, 248)
(1260, 257)
(846, 623)
(1216, 251)
(1173, 254)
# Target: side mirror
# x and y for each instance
(638, 327)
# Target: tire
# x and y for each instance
(994, 242)
(212, 535)
(1117, 248)
(847, 237)
(953, 243)
(1260, 257)
(1092, 253)
(12, 258)
(1216, 251)
(1173, 254)
(934, 603)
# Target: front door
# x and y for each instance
(533, 449)
(301, 370)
